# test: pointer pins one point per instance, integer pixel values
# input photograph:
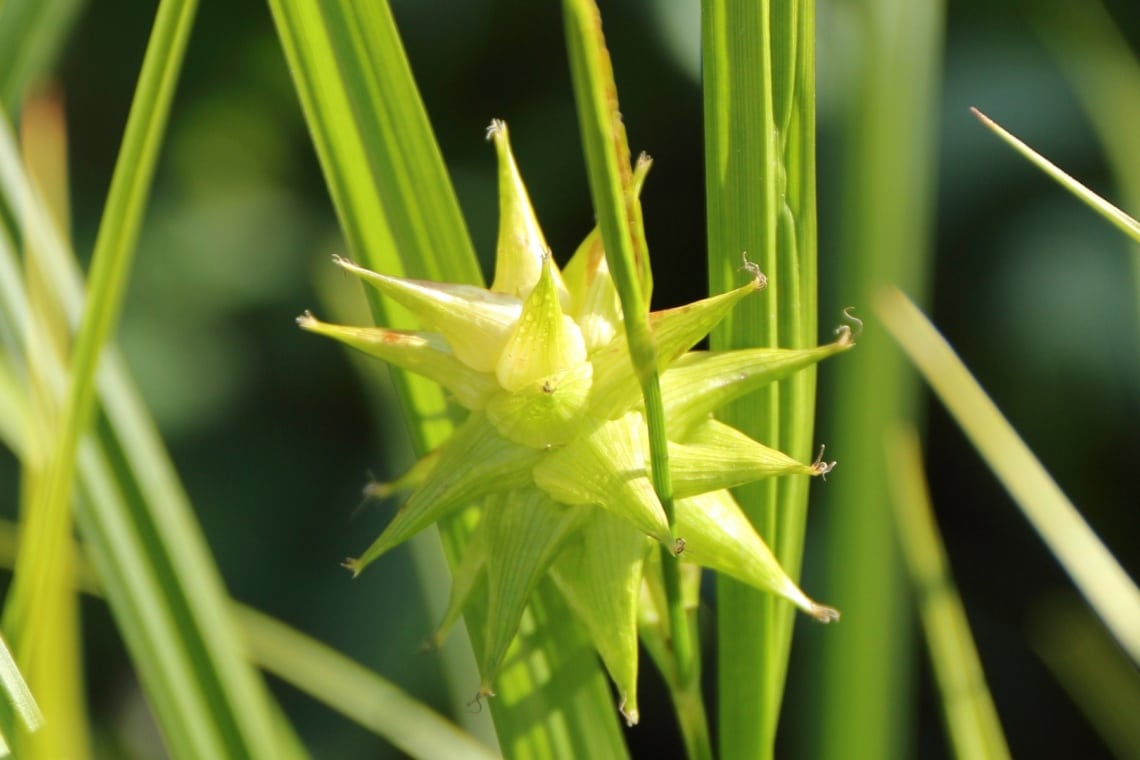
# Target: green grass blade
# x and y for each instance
(13, 414)
(114, 247)
(1091, 668)
(382, 167)
(740, 189)
(1096, 573)
(759, 108)
(888, 142)
(312, 667)
(167, 596)
(13, 428)
(793, 55)
(619, 217)
(1118, 218)
(967, 706)
(53, 658)
(370, 155)
(143, 587)
(398, 212)
(17, 693)
(355, 691)
(31, 34)
(40, 613)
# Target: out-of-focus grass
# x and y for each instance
(31, 35)
(1104, 74)
(208, 699)
(1091, 667)
(971, 720)
(327, 675)
(1091, 565)
(864, 686)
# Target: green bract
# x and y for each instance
(555, 451)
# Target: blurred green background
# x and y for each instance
(274, 432)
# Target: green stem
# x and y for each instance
(682, 642)
(741, 190)
(865, 685)
(615, 201)
(690, 708)
(759, 107)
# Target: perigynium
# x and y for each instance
(555, 454)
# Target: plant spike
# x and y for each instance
(557, 452)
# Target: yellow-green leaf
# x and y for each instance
(719, 456)
(544, 343)
(719, 536)
(600, 576)
(523, 530)
(607, 467)
(424, 353)
(474, 321)
(701, 382)
(476, 461)
(521, 247)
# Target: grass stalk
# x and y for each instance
(759, 108)
(47, 338)
(1091, 668)
(619, 216)
(1090, 564)
(968, 709)
(32, 33)
(314, 668)
(162, 587)
(1119, 219)
(864, 686)
(41, 599)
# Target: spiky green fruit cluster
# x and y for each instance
(555, 451)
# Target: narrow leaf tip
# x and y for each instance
(982, 117)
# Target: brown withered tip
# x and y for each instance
(753, 269)
(820, 467)
(824, 614)
(848, 333)
(476, 703)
